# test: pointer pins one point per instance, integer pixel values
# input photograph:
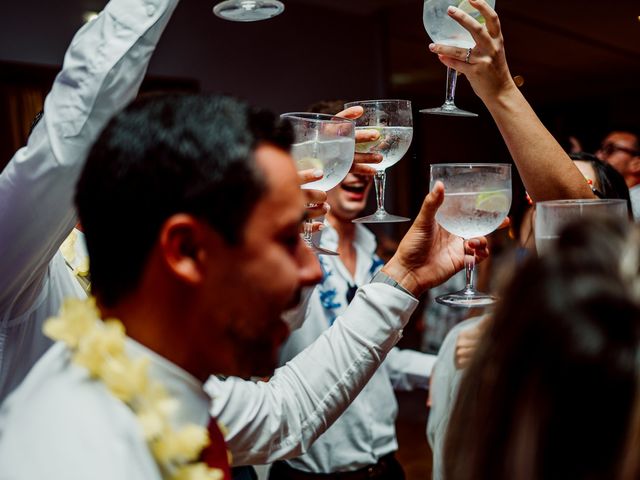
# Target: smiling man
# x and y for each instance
(363, 439)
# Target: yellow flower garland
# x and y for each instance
(100, 348)
(81, 270)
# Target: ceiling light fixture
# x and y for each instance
(248, 10)
(89, 16)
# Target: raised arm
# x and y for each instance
(102, 72)
(546, 170)
(281, 418)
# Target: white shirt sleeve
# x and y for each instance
(409, 369)
(102, 72)
(444, 389)
(281, 418)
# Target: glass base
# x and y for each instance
(449, 110)
(383, 217)
(467, 299)
(248, 10)
(319, 250)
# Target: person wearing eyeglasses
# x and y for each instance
(621, 150)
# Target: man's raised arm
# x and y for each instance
(281, 418)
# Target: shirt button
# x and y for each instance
(151, 10)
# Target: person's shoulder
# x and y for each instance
(59, 409)
(444, 370)
(451, 337)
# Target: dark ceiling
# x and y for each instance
(564, 49)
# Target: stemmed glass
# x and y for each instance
(323, 142)
(444, 30)
(551, 216)
(394, 121)
(248, 10)
(477, 198)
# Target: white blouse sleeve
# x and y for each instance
(102, 72)
(281, 418)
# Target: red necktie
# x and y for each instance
(215, 455)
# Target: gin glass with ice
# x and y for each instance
(444, 30)
(393, 119)
(322, 142)
(477, 198)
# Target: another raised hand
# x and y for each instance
(428, 254)
(361, 161)
(546, 170)
(486, 68)
(316, 200)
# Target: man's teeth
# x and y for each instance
(354, 187)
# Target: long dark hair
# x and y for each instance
(551, 388)
(610, 183)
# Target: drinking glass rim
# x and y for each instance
(382, 100)
(582, 201)
(317, 117)
(467, 165)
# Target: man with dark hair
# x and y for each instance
(182, 167)
(621, 150)
(159, 162)
(205, 294)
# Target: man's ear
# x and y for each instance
(183, 245)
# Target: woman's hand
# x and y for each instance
(486, 67)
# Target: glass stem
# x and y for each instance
(308, 230)
(379, 180)
(452, 79)
(469, 267)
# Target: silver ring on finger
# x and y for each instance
(466, 60)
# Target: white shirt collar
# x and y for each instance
(364, 238)
(181, 385)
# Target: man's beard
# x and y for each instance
(258, 354)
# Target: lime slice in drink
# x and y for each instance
(309, 163)
(494, 202)
(367, 147)
(466, 7)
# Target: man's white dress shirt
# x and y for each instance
(365, 432)
(102, 72)
(60, 424)
(281, 418)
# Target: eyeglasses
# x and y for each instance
(611, 148)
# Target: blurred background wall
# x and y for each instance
(579, 63)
